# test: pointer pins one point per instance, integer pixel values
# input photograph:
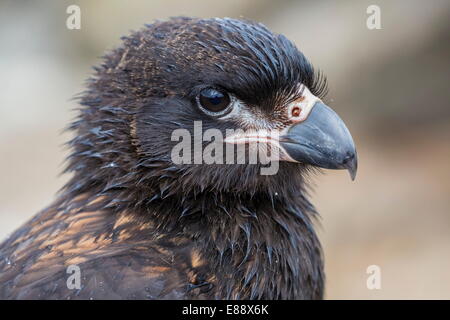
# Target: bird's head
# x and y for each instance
(194, 81)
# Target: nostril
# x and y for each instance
(296, 111)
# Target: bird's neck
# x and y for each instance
(260, 247)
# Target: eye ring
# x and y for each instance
(214, 102)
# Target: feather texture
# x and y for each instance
(140, 226)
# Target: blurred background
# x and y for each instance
(391, 86)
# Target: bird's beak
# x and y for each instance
(321, 140)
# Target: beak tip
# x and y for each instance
(351, 164)
(352, 174)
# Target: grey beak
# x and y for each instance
(322, 140)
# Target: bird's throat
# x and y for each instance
(260, 249)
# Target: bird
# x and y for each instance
(135, 224)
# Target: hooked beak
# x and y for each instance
(321, 140)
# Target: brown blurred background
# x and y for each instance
(391, 86)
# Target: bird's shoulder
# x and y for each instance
(113, 255)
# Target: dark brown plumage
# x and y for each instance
(140, 226)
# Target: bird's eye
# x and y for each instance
(213, 101)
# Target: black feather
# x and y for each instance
(254, 234)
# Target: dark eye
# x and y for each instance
(213, 101)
